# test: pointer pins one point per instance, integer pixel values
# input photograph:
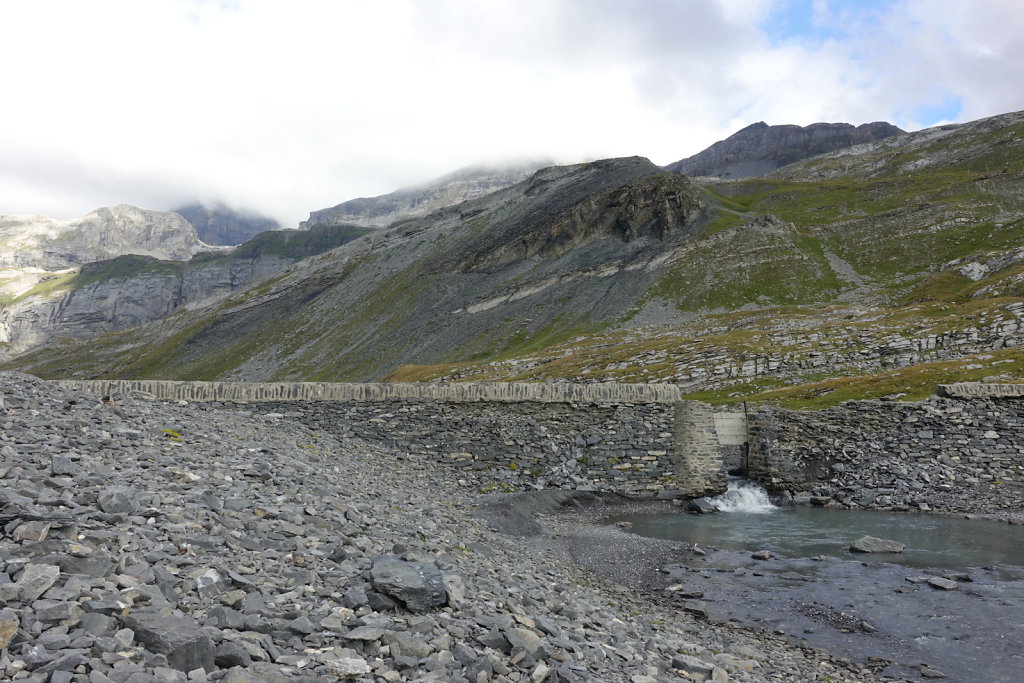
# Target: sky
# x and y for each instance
(283, 108)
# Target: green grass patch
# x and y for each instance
(912, 383)
(946, 286)
(48, 286)
(124, 267)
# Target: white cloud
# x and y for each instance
(290, 107)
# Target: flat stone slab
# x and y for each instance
(942, 584)
(980, 390)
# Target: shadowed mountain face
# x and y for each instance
(759, 148)
(223, 226)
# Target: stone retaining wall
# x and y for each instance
(618, 437)
(590, 446)
(956, 455)
(554, 392)
(960, 451)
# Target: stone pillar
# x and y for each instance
(761, 434)
(770, 461)
(698, 460)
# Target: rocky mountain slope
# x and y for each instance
(759, 148)
(41, 242)
(219, 224)
(133, 290)
(572, 246)
(896, 261)
(918, 237)
(460, 186)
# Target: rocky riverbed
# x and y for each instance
(154, 541)
(922, 614)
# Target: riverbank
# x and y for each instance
(884, 615)
(149, 540)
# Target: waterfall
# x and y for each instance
(743, 496)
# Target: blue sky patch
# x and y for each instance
(946, 109)
(796, 20)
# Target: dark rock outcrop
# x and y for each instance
(219, 224)
(180, 639)
(418, 585)
(759, 148)
(654, 205)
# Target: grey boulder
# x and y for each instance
(180, 639)
(417, 585)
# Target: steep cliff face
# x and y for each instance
(131, 290)
(221, 225)
(759, 148)
(42, 242)
(460, 186)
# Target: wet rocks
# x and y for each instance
(701, 506)
(870, 544)
(942, 583)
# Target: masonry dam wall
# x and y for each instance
(630, 438)
(962, 449)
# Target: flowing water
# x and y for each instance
(859, 605)
(744, 496)
(748, 521)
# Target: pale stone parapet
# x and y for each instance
(731, 428)
(980, 390)
(554, 392)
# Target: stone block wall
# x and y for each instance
(467, 392)
(943, 453)
(696, 440)
(630, 438)
(620, 447)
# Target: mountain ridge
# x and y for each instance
(759, 149)
(131, 290)
(894, 257)
(107, 232)
(410, 202)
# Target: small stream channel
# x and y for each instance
(854, 604)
